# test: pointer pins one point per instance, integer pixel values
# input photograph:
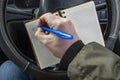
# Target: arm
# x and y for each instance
(93, 62)
(89, 62)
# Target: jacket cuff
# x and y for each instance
(70, 54)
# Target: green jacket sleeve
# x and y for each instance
(94, 62)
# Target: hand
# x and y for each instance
(56, 45)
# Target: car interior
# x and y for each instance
(17, 12)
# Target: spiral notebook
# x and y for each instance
(85, 20)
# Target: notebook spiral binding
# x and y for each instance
(60, 13)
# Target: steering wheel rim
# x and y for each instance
(7, 46)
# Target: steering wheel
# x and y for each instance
(14, 40)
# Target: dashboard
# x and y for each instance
(27, 3)
(35, 3)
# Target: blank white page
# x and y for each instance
(85, 20)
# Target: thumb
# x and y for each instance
(43, 37)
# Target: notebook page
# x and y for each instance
(44, 57)
(85, 20)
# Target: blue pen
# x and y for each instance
(60, 34)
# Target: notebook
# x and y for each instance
(85, 20)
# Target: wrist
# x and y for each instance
(70, 54)
(66, 45)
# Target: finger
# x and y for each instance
(46, 39)
(63, 23)
(49, 19)
(38, 33)
(43, 38)
(46, 19)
